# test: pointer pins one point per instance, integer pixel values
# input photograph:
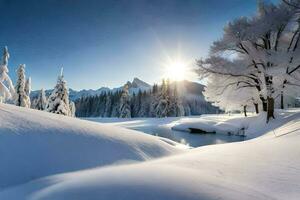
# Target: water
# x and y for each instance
(193, 140)
(157, 127)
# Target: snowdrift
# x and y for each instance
(263, 168)
(251, 126)
(34, 144)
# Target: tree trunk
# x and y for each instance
(270, 99)
(281, 100)
(270, 112)
(264, 104)
(245, 111)
(256, 108)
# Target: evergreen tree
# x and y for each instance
(154, 95)
(107, 112)
(136, 104)
(41, 101)
(28, 89)
(162, 107)
(21, 97)
(6, 87)
(145, 101)
(72, 109)
(28, 86)
(124, 109)
(116, 104)
(176, 104)
(58, 101)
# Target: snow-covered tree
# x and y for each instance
(41, 101)
(28, 89)
(58, 101)
(108, 104)
(124, 107)
(154, 100)
(6, 87)
(176, 109)
(72, 109)
(162, 108)
(266, 45)
(28, 86)
(21, 97)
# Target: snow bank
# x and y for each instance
(263, 168)
(252, 126)
(212, 124)
(34, 144)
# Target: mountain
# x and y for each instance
(73, 94)
(133, 86)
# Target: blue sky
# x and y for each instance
(105, 43)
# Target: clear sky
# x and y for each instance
(105, 43)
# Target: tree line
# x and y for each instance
(161, 101)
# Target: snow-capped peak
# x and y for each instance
(137, 83)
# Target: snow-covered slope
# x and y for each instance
(34, 144)
(267, 167)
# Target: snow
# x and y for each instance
(252, 126)
(224, 124)
(34, 144)
(266, 167)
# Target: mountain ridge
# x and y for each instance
(136, 85)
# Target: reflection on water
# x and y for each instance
(193, 140)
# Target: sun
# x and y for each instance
(176, 70)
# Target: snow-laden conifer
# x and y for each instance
(72, 109)
(41, 101)
(21, 98)
(177, 108)
(163, 105)
(124, 109)
(58, 101)
(6, 86)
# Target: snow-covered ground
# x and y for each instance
(47, 156)
(34, 144)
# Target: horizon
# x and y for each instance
(121, 85)
(112, 42)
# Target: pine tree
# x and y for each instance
(107, 112)
(176, 104)
(145, 102)
(6, 87)
(41, 101)
(154, 95)
(21, 98)
(28, 89)
(72, 109)
(28, 86)
(124, 109)
(58, 101)
(136, 104)
(162, 107)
